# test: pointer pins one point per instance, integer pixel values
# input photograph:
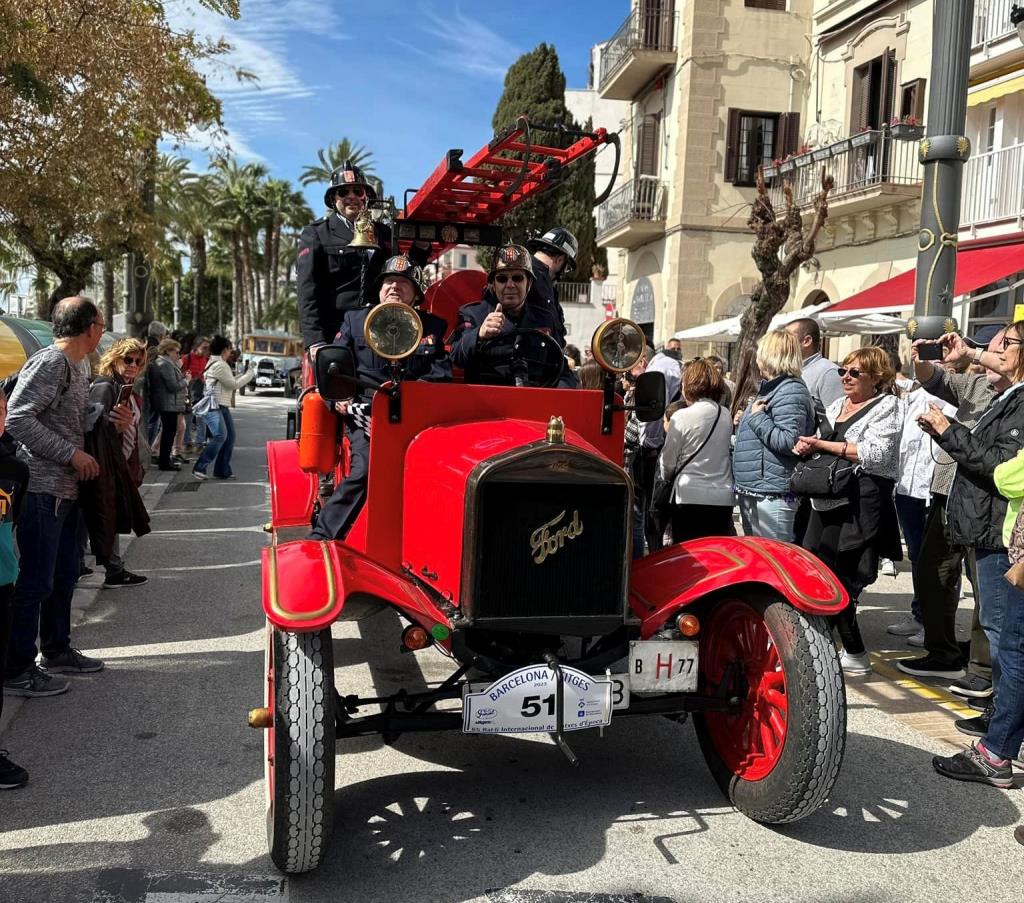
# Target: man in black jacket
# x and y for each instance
(329, 275)
(554, 256)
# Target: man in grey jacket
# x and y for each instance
(46, 413)
(820, 374)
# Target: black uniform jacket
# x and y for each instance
(544, 294)
(467, 338)
(328, 275)
(430, 361)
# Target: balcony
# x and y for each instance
(644, 45)
(994, 38)
(994, 189)
(633, 215)
(871, 169)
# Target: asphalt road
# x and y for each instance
(147, 783)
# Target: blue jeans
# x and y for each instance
(911, 514)
(1006, 729)
(48, 545)
(993, 597)
(771, 518)
(221, 443)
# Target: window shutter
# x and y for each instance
(767, 4)
(732, 145)
(888, 92)
(861, 106)
(647, 146)
(787, 139)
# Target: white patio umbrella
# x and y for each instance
(728, 330)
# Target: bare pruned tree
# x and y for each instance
(772, 235)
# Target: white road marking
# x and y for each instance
(200, 567)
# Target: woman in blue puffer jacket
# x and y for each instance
(763, 458)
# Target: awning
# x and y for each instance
(994, 92)
(728, 330)
(974, 268)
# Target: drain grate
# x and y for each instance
(183, 487)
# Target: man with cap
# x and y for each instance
(554, 256)
(504, 309)
(400, 281)
(329, 275)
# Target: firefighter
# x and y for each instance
(328, 275)
(554, 256)
(400, 280)
(504, 309)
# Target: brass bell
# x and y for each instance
(365, 235)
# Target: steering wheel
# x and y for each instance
(533, 358)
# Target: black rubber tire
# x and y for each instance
(816, 727)
(301, 814)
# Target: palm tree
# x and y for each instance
(332, 157)
(284, 207)
(192, 217)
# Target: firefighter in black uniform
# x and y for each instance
(328, 274)
(504, 309)
(400, 280)
(554, 256)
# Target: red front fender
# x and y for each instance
(666, 581)
(308, 585)
(292, 491)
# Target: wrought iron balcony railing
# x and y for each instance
(652, 27)
(640, 199)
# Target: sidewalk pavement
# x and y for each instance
(89, 588)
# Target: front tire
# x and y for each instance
(299, 748)
(778, 758)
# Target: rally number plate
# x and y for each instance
(663, 666)
(262, 380)
(525, 702)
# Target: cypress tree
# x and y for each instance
(535, 87)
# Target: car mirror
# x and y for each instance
(649, 396)
(336, 373)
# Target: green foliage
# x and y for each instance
(535, 87)
(333, 156)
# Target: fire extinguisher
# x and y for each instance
(318, 435)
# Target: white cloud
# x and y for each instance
(462, 43)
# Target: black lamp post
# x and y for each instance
(943, 152)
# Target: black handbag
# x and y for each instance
(661, 498)
(823, 475)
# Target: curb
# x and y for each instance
(87, 595)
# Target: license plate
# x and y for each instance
(262, 380)
(663, 666)
(620, 691)
(525, 702)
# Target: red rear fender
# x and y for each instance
(292, 492)
(308, 585)
(662, 583)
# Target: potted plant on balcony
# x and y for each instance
(865, 136)
(803, 156)
(906, 128)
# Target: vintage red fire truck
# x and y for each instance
(498, 526)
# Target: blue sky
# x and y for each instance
(407, 80)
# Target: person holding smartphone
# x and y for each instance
(116, 506)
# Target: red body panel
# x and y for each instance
(292, 492)
(669, 580)
(443, 458)
(444, 298)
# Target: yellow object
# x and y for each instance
(260, 717)
(556, 430)
(1018, 312)
(993, 92)
(12, 352)
(1009, 480)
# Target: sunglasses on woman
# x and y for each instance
(1009, 340)
(356, 191)
(502, 278)
(131, 361)
(853, 371)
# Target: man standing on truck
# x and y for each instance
(554, 256)
(329, 275)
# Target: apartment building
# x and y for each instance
(715, 90)
(865, 111)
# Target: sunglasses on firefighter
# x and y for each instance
(502, 278)
(354, 190)
(853, 371)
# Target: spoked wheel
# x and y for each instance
(299, 748)
(778, 757)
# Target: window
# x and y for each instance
(912, 100)
(755, 139)
(990, 131)
(767, 4)
(463, 261)
(648, 128)
(874, 93)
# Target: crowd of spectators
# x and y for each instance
(75, 440)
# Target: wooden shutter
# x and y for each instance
(787, 138)
(887, 96)
(647, 146)
(732, 145)
(860, 106)
(912, 101)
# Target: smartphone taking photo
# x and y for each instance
(124, 395)
(930, 351)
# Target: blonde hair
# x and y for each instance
(167, 345)
(778, 354)
(877, 364)
(117, 352)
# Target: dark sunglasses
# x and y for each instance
(130, 361)
(853, 371)
(357, 190)
(502, 278)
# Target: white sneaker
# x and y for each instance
(886, 567)
(907, 627)
(855, 664)
(917, 640)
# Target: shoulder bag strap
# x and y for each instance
(700, 447)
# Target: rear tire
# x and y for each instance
(778, 758)
(300, 748)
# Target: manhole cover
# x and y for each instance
(183, 487)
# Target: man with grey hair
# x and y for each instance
(819, 373)
(46, 415)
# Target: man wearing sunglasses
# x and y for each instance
(329, 275)
(502, 311)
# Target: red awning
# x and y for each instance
(974, 268)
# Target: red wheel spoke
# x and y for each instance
(773, 680)
(776, 699)
(778, 724)
(768, 743)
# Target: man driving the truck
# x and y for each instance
(501, 339)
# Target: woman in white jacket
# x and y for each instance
(696, 457)
(219, 383)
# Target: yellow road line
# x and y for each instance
(881, 663)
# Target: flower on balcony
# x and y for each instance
(906, 119)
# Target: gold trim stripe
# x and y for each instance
(332, 589)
